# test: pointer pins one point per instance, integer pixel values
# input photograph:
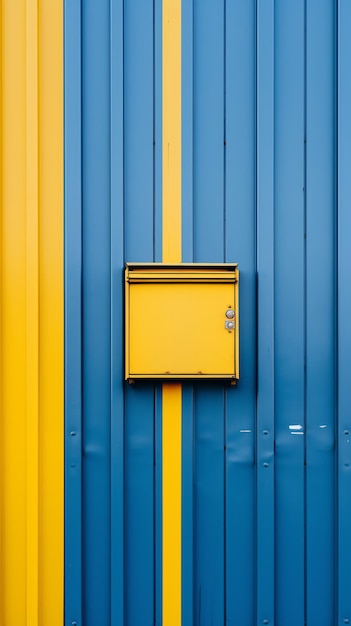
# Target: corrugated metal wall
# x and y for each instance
(31, 313)
(266, 137)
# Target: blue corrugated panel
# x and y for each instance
(96, 313)
(266, 138)
(321, 249)
(343, 513)
(209, 423)
(265, 488)
(115, 90)
(139, 246)
(117, 256)
(240, 243)
(289, 307)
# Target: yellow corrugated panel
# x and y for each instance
(1, 343)
(171, 253)
(31, 374)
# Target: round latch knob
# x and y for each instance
(230, 314)
(230, 325)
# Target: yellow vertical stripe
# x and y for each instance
(1, 389)
(171, 132)
(51, 395)
(171, 250)
(14, 315)
(32, 308)
(31, 300)
(171, 503)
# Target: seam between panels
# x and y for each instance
(256, 311)
(336, 306)
(305, 297)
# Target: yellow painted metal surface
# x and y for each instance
(171, 253)
(171, 131)
(177, 323)
(180, 329)
(31, 332)
(171, 503)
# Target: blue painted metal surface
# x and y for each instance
(96, 314)
(321, 242)
(265, 521)
(139, 201)
(73, 314)
(208, 211)
(289, 306)
(240, 242)
(266, 137)
(117, 364)
(113, 182)
(343, 430)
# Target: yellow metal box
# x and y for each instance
(181, 321)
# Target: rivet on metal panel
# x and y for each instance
(73, 433)
(74, 623)
(346, 620)
(265, 621)
(265, 464)
(346, 432)
(347, 464)
(265, 432)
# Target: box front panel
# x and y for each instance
(180, 329)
